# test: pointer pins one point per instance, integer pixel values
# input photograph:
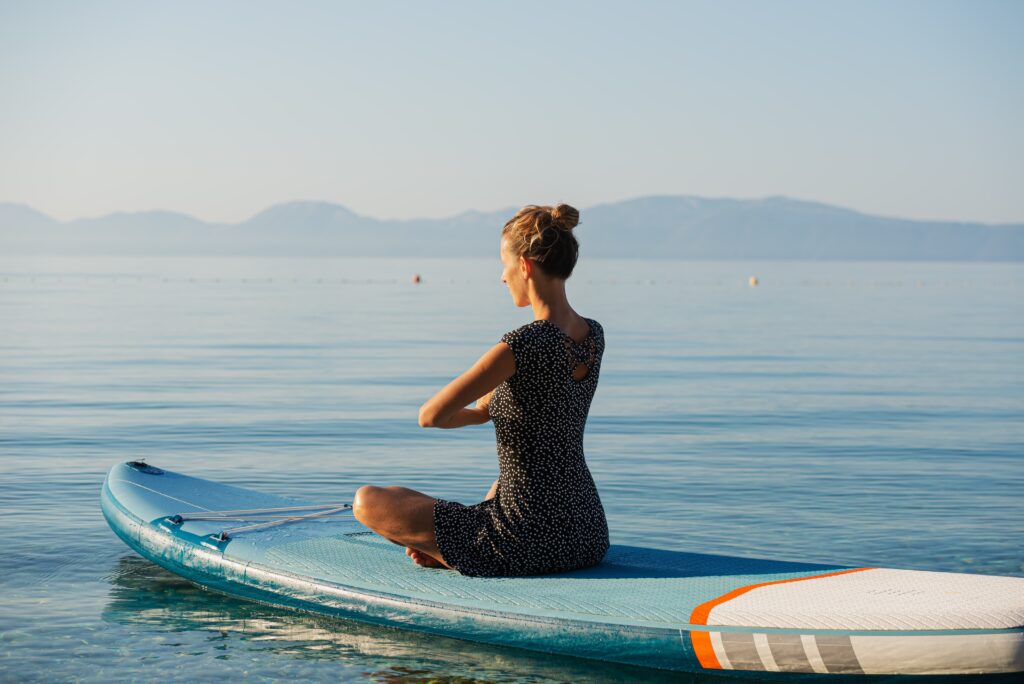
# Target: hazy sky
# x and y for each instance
(400, 109)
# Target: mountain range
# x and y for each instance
(678, 227)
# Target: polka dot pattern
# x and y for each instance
(546, 515)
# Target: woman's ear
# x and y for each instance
(525, 267)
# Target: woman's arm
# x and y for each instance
(447, 408)
(461, 418)
(477, 415)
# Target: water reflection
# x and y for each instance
(144, 594)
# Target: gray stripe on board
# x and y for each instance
(788, 651)
(741, 651)
(838, 655)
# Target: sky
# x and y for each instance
(414, 109)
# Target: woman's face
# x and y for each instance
(514, 276)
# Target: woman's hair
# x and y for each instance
(544, 234)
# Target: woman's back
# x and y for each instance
(546, 515)
(540, 412)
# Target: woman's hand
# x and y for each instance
(484, 402)
(493, 490)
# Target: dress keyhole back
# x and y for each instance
(581, 355)
(580, 372)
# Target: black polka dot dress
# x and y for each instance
(546, 515)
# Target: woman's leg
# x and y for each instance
(403, 516)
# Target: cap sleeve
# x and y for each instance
(598, 334)
(516, 340)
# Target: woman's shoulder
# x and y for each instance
(540, 328)
(596, 332)
(525, 332)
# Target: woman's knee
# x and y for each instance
(363, 503)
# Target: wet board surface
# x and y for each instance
(645, 606)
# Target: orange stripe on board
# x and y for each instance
(701, 641)
(704, 650)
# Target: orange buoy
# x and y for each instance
(753, 281)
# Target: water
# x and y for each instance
(858, 413)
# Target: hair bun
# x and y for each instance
(564, 216)
(544, 234)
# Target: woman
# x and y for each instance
(543, 513)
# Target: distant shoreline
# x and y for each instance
(664, 227)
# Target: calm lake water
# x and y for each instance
(858, 413)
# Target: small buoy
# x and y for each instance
(753, 281)
(416, 279)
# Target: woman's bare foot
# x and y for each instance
(423, 559)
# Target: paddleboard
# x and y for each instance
(644, 606)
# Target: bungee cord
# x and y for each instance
(267, 517)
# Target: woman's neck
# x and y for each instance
(550, 304)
